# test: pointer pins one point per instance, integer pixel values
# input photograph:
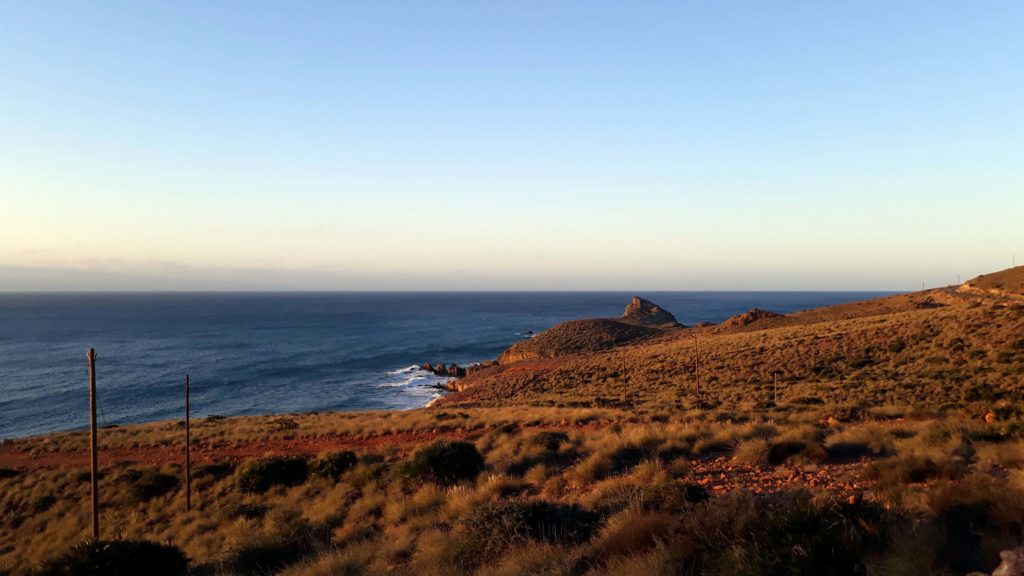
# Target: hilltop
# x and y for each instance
(641, 320)
(1006, 283)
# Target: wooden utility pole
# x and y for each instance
(94, 479)
(188, 453)
(696, 369)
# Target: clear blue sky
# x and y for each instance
(520, 145)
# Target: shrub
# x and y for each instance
(862, 443)
(245, 510)
(911, 469)
(968, 513)
(333, 465)
(445, 462)
(122, 558)
(549, 440)
(495, 526)
(632, 532)
(788, 534)
(43, 503)
(214, 470)
(753, 452)
(144, 485)
(258, 476)
(287, 540)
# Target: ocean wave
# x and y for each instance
(412, 377)
(405, 370)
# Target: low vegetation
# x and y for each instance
(629, 492)
(880, 438)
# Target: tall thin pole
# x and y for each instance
(188, 453)
(696, 369)
(94, 479)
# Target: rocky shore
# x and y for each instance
(454, 370)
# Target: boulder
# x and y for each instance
(426, 367)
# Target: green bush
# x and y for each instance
(122, 558)
(445, 462)
(333, 465)
(258, 476)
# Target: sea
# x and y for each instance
(259, 353)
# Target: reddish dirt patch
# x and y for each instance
(11, 456)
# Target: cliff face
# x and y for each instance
(647, 313)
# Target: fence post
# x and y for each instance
(94, 461)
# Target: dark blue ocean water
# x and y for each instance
(263, 353)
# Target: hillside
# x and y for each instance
(929, 349)
(1006, 283)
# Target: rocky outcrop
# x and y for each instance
(747, 318)
(439, 369)
(646, 313)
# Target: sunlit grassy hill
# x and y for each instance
(936, 349)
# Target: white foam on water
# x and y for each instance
(405, 370)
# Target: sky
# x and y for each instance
(686, 145)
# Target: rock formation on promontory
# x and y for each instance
(641, 320)
(647, 313)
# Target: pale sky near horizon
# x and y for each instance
(509, 145)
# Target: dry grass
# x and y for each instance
(874, 460)
(936, 351)
(634, 476)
